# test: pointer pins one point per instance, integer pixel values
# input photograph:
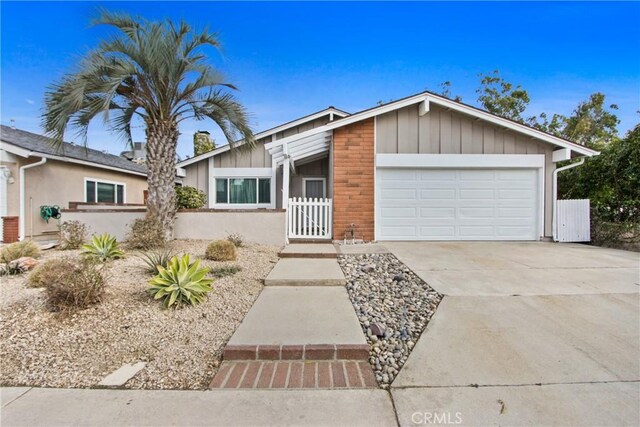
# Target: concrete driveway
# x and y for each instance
(527, 334)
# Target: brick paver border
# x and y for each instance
(294, 374)
(297, 352)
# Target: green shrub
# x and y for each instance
(225, 270)
(190, 198)
(70, 284)
(236, 239)
(155, 259)
(182, 282)
(146, 233)
(221, 250)
(26, 248)
(73, 234)
(102, 248)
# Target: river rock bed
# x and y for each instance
(390, 300)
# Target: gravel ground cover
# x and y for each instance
(182, 347)
(393, 306)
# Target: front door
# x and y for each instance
(314, 188)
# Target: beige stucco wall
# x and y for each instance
(267, 228)
(447, 132)
(98, 222)
(58, 183)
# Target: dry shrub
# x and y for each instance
(146, 233)
(26, 248)
(221, 250)
(236, 239)
(70, 284)
(73, 234)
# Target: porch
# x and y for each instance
(304, 185)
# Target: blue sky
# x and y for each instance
(290, 59)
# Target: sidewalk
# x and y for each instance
(54, 407)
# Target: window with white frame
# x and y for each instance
(243, 191)
(100, 191)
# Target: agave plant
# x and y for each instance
(155, 259)
(182, 282)
(103, 248)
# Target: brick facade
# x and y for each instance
(10, 229)
(353, 179)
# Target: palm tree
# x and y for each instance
(154, 71)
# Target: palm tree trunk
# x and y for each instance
(162, 139)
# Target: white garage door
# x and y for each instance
(457, 204)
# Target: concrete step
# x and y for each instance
(294, 375)
(309, 250)
(299, 323)
(306, 272)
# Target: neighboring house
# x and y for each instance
(420, 168)
(34, 174)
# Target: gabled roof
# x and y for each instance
(26, 144)
(425, 99)
(269, 132)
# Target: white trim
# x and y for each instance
(241, 172)
(561, 155)
(105, 181)
(22, 202)
(269, 132)
(324, 186)
(240, 206)
(459, 161)
(210, 189)
(375, 180)
(25, 153)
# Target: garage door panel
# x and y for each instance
(435, 194)
(476, 194)
(510, 212)
(516, 194)
(435, 212)
(433, 231)
(403, 213)
(449, 204)
(399, 194)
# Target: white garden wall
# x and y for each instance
(264, 227)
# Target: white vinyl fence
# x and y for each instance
(574, 220)
(309, 218)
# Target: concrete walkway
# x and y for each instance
(302, 315)
(527, 334)
(56, 407)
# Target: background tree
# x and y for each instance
(591, 124)
(154, 71)
(445, 90)
(202, 143)
(499, 97)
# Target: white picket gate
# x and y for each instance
(573, 220)
(309, 218)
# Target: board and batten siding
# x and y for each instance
(441, 131)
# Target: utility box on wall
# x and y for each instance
(9, 229)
